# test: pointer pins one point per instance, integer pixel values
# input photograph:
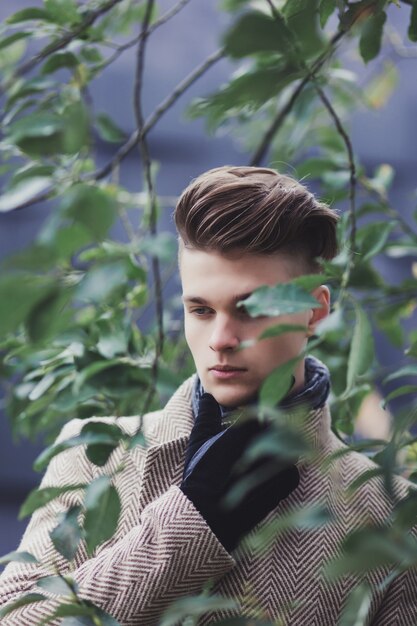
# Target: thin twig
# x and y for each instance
(279, 119)
(352, 180)
(146, 162)
(27, 66)
(166, 104)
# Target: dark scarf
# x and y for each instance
(314, 393)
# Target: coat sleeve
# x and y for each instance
(170, 552)
(399, 605)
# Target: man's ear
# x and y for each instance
(322, 295)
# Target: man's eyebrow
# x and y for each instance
(200, 300)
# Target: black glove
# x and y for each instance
(212, 471)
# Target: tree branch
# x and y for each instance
(146, 162)
(58, 45)
(279, 119)
(352, 181)
(135, 138)
(166, 104)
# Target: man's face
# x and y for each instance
(214, 325)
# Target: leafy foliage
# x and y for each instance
(71, 302)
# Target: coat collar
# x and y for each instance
(167, 433)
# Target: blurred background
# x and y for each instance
(184, 149)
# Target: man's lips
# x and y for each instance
(225, 372)
(227, 368)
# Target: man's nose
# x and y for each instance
(224, 336)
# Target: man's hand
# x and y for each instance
(211, 471)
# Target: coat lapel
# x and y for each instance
(164, 462)
(164, 465)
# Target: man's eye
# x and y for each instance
(200, 310)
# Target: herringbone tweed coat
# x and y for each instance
(163, 549)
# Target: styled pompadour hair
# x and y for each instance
(256, 210)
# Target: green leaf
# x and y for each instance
(98, 453)
(22, 89)
(302, 21)
(29, 598)
(32, 171)
(278, 383)
(68, 240)
(315, 167)
(281, 329)
(92, 207)
(90, 371)
(58, 61)
(91, 55)
(194, 607)
(375, 472)
(63, 11)
(55, 584)
(412, 28)
(10, 56)
(42, 386)
(281, 299)
(113, 339)
(101, 281)
(90, 435)
(108, 129)
(137, 439)
(326, 8)
(36, 125)
(405, 513)
(373, 237)
(18, 557)
(19, 294)
(38, 134)
(356, 610)
(49, 316)
(23, 192)
(163, 246)
(308, 282)
(371, 36)
(408, 370)
(7, 41)
(256, 32)
(76, 124)
(102, 505)
(247, 91)
(39, 497)
(361, 354)
(25, 15)
(67, 535)
(401, 249)
(401, 391)
(233, 5)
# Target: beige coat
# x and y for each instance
(163, 549)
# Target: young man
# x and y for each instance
(240, 228)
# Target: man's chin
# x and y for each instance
(231, 398)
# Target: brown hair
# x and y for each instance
(255, 210)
